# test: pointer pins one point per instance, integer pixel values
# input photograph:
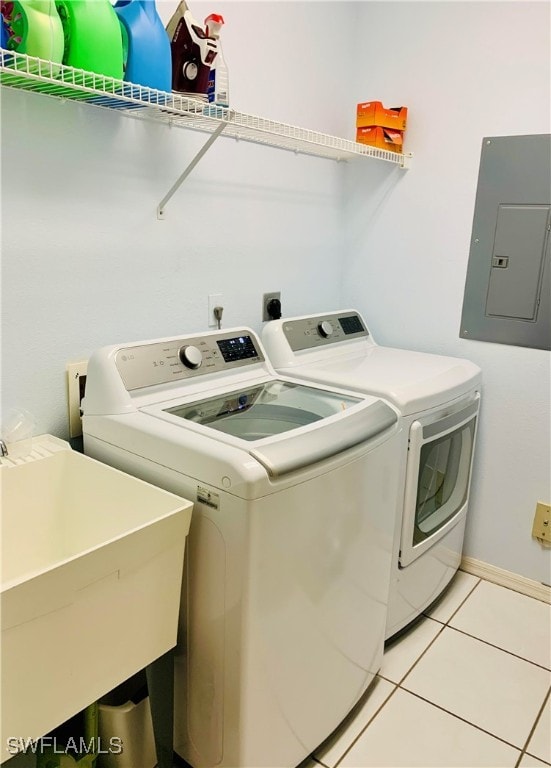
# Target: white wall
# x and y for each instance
(465, 70)
(87, 263)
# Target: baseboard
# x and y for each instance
(506, 579)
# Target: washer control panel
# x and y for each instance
(311, 332)
(159, 362)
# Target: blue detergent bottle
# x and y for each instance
(3, 34)
(146, 47)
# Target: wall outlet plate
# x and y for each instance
(266, 298)
(215, 300)
(542, 522)
(76, 381)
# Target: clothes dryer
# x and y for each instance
(285, 594)
(438, 398)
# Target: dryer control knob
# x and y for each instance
(191, 357)
(325, 329)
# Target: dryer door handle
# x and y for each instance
(326, 440)
(450, 423)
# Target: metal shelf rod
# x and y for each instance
(204, 149)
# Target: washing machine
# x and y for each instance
(438, 398)
(285, 593)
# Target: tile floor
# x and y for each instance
(468, 687)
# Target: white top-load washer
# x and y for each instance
(438, 398)
(289, 552)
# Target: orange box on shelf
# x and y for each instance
(382, 138)
(373, 113)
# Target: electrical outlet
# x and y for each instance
(267, 309)
(215, 300)
(542, 522)
(76, 382)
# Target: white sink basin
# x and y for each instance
(91, 570)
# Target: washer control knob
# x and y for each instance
(325, 329)
(191, 357)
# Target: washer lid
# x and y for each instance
(287, 425)
(307, 447)
(264, 409)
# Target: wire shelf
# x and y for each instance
(32, 74)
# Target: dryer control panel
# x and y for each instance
(160, 362)
(311, 332)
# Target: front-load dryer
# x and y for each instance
(285, 595)
(438, 398)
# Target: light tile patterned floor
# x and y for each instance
(466, 687)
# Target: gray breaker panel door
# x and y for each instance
(507, 290)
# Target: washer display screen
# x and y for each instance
(240, 348)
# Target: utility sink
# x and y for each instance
(91, 568)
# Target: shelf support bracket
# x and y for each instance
(179, 181)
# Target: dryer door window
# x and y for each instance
(443, 480)
(438, 475)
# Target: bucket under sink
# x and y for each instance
(91, 570)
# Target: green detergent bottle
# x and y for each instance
(34, 28)
(93, 38)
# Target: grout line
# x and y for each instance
(499, 648)
(418, 659)
(445, 623)
(458, 717)
(529, 754)
(539, 759)
(534, 726)
(385, 702)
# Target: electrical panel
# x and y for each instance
(508, 287)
